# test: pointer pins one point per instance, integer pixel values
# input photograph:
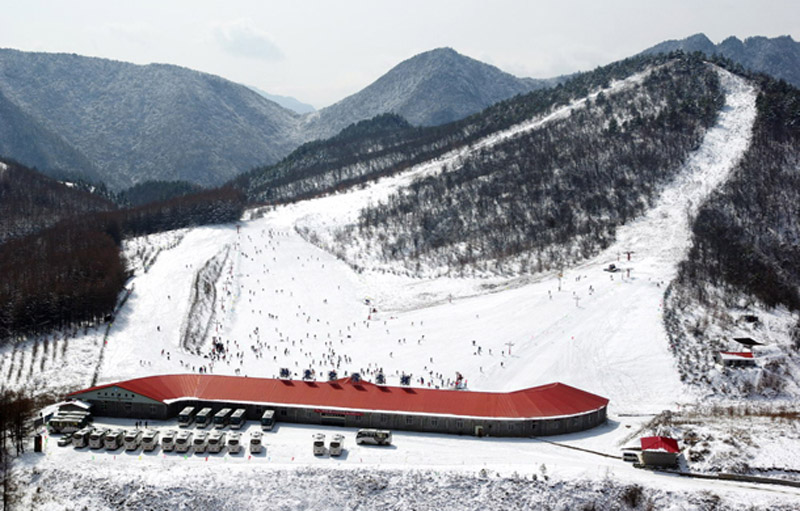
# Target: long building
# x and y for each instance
(550, 409)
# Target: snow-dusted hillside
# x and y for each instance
(276, 300)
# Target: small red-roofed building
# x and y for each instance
(660, 451)
(736, 358)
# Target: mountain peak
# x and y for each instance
(777, 56)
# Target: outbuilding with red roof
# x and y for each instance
(544, 410)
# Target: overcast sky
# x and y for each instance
(322, 51)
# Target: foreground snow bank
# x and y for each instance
(332, 489)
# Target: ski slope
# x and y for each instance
(285, 303)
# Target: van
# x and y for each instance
(255, 442)
(81, 438)
(238, 418)
(200, 441)
(113, 439)
(337, 445)
(168, 440)
(183, 441)
(132, 439)
(96, 438)
(216, 441)
(203, 417)
(186, 417)
(149, 440)
(234, 442)
(222, 418)
(374, 436)
(631, 456)
(318, 444)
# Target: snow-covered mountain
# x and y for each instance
(137, 123)
(777, 56)
(125, 124)
(435, 87)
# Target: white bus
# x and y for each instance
(235, 442)
(81, 438)
(268, 420)
(68, 422)
(203, 417)
(255, 442)
(337, 445)
(183, 442)
(113, 439)
(374, 436)
(149, 440)
(168, 440)
(200, 441)
(238, 418)
(96, 438)
(319, 444)
(216, 441)
(186, 417)
(133, 438)
(222, 418)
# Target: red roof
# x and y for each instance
(660, 443)
(552, 400)
(741, 354)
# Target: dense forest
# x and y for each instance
(553, 195)
(155, 191)
(30, 201)
(73, 272)
(387, 144)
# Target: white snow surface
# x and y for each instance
(283, 302)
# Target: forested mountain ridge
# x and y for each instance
(386, 145)
(124, 124)
(30, 201)
(547, 197)
(778, 56)
(137, 123)
(745, 258)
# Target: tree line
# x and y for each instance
(73, 272)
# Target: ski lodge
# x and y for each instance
(550, 409)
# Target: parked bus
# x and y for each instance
(319, 444)
(96, 438)
(337, 445)
(216, 441)
(268, 420)
(168, 440)
(203, 417)
(183, 442)
(132, 439)
(222, 418)
(81, 438)
(200, 441)
(255, 442)
(374, 437)
(238, 418)
(68, 422)
(235, 442)
(149, 440)
(113, 439)
(186, 417)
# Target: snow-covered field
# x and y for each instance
(280, 301)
